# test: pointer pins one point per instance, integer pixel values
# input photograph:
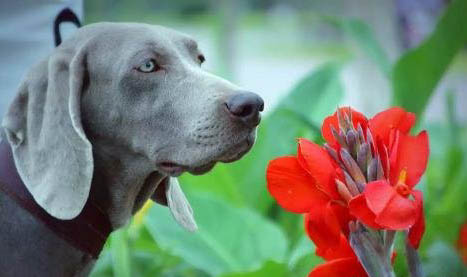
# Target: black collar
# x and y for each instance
(87, 232)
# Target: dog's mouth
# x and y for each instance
(231, 154)
(175, 169)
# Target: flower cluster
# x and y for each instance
(365, 173)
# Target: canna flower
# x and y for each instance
(366, 172)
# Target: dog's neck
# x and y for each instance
(123, 180)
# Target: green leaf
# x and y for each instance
(269, 269)
(303, 248)
(302, 258)
(219, 181)
(120, 254)
(103, 266)
(228, 240)
(316, 94)
(417, 73)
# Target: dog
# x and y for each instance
(103, 124)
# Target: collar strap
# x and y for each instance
(86, 232)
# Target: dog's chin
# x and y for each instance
(230, 154)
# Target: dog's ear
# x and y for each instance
(43, 126)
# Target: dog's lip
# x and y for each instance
(174, 169)
(171, 168)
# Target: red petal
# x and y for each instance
(323, 227)
(343, 217)
(392, 211)
(462, 241)
(417, 231)
(332, 121)
(317, 162)
(359, 208)
(393, 118)
(342, 250)
(339, 268)
(292, 187)
(412, 155)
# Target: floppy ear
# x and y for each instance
(43, 126)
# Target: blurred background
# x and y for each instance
(305, 58)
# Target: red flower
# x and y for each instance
(462, 242)
(366, 172)
(392, 199)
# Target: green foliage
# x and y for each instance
(270, 269)
(417, 73)
(120, 254)
(242, 243)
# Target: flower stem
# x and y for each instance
(413, 260)
(371, 252)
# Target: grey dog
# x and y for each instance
(111, 113)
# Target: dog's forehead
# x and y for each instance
(174, 36)
(137, 34)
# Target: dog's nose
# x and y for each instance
(246, 107)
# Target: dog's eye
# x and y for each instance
(149, 66)
(201, 58)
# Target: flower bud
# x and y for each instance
(363, 156)
(343, 124)
(339, 136)
(351, 184)
(352, 166)
(343, 191)
(351, 139)
(361, 136)
(372, 171)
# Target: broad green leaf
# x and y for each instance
(269, 269)
(219, 181)
(103, 266)
(229, 239)
(302, 258)
(120, 254)
(417, 73)
(304, 247)
(315, 95)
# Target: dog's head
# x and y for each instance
(137, 86)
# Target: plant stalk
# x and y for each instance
(371, 252)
